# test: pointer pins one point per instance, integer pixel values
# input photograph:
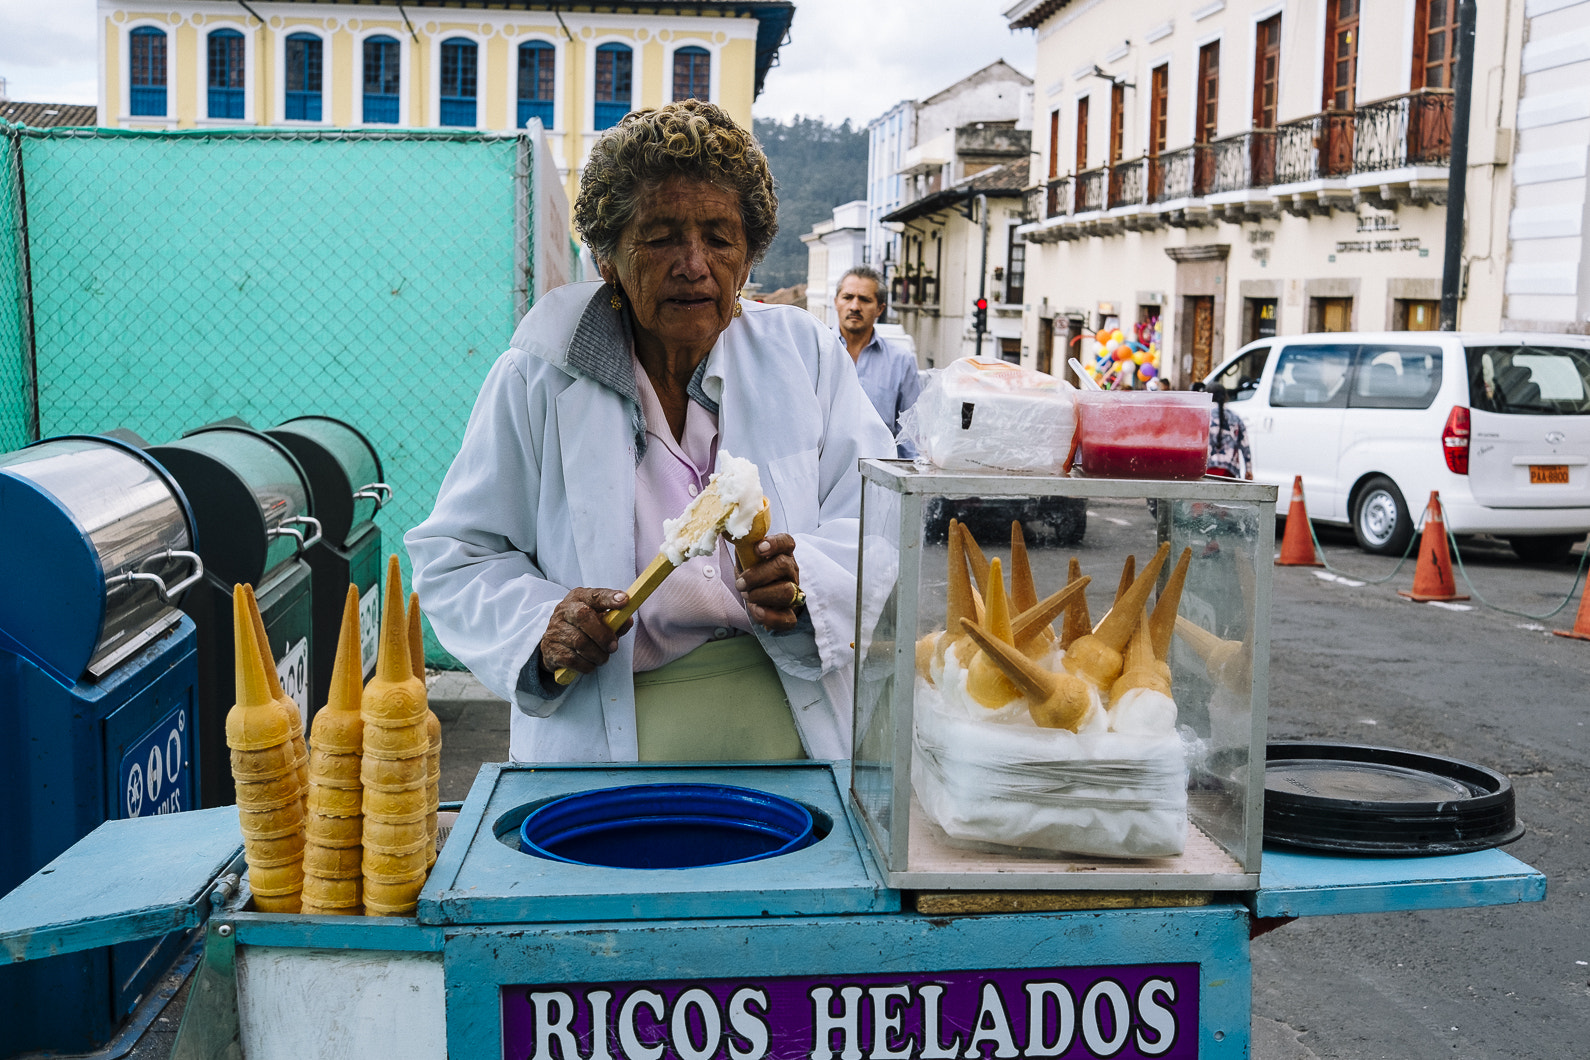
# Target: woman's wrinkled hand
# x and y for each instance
(576, 637)
(771, 586)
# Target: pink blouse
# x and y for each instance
(698, 602)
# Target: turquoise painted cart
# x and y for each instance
(809, 953)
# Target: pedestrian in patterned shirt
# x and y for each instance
(1229, 455)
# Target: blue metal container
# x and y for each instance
(667, 826)
(98, 676)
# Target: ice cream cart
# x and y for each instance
(908, 912)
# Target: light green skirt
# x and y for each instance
(721, 703)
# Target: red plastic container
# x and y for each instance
(1152, 434)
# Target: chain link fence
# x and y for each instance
(159, 281)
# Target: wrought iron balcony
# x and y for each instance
(1243, 161)
(1126, 183)
(1171, 174)
(1091, 190)
(1410, 130)
(1059, 197)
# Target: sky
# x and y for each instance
(846, 58)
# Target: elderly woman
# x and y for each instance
(605, 417)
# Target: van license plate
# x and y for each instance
(1549, 474)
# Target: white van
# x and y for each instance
(1498, 424)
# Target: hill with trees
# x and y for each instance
(816, 166)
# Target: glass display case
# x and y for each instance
(1061, 682)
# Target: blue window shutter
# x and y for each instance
(382, 80)
(614, 72)
(459, 68)
(147, 72)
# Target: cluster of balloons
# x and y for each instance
(1120, 362)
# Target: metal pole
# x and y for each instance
(1458, 167)
(24, 251)
(982, 275)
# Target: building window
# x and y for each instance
(1434, 43)
(1208, 93)
(303, 77)
(1117, 123)
(381, 80)
(1082, 134)
(459, 67)
(615, 64)
(1266, 71)
(1158, 108)
(692, 76)
(1054, 144)
(225, 48)
(147, 87)
(1015, 271)
(1341, 54)
(537, 82)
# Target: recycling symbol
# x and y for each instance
(135, 790)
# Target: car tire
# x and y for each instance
(1550, 549)
(1381, 522)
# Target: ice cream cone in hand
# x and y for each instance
(1056, 700)
(1096, 658)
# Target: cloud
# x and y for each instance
(49, 51)
(857, 58)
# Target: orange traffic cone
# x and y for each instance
(1432, 578)
(1581, 623)
(1297, 544)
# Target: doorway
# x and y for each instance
(1258, 319)
(1046, 345)
(1415, 314)
(1330, 314)
(1200, 311)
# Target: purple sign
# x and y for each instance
(1125, 1011)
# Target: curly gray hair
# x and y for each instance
(686, 139)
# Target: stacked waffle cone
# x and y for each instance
(270, 796)
(395, 768)
(1113, 676)
(347, 823)
(334, 830)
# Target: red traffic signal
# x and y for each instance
(982, 304)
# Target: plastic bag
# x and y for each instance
(976, 415)
(993, 786)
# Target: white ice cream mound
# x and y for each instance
(1143, 712)
(728, 505)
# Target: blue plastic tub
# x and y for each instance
(666, 826)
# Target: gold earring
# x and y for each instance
(616, 302)
(738, 308)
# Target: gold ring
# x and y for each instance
(798, 601)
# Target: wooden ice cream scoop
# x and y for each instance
(704, 519)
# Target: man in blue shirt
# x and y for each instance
(888, 374)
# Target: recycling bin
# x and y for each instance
(98, 680)
(345, 484)
(251, 502)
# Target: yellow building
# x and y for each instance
(493, 65)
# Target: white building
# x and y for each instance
(910, 146)
(833, 248)
(1248, 167)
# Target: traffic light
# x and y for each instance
(980, 314)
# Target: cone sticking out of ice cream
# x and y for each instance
(1056, 700)
(1078, 623)
(1226, 660)
(986, 682)
(1029, 627)
(295, 717)
(1140, 700)
(1096, 657)
(269, 799)
(958, 605)
(333, 832)
(394, 769)
(979, 562)
(1024, 591)
(433, 728)
(1162, 622)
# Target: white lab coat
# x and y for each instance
(541, 499)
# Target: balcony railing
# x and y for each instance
(1126, 183)
(1092, 188)
(1411, 130)
(1244, 161)
(1414, 129)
